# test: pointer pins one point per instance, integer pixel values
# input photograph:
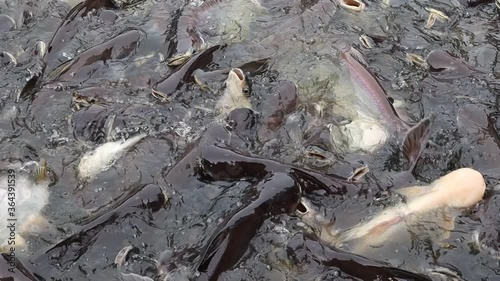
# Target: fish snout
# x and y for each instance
(237, 75)
(463, 187)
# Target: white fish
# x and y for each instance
(101, 159)
(374, 116)
(22, 197)
(461, 188)
(236, 94)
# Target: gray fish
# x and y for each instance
(378, 106)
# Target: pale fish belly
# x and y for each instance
(362, 134)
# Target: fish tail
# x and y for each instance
(41, 171)
(416, 139)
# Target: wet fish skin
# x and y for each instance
(69, 26)
(375, 99)
(236, 93)
(183, 39)
(443, 66)
(183, 74)
(304, 247)
(253, 67)
(7, 23)
(220, 162)
(461, 188)
(116, 48)
(458, 189)
(276, 194)
(98, 160)
(374, 92)
(148, 197)
(284, 100)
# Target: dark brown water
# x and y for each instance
(160, 199)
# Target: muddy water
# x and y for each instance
(116, 53)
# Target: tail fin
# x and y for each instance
(416, 139)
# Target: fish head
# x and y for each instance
(44, 174)
(236, 93)
(313, 217)
(238, 83)
(461, 188)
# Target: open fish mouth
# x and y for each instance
(244, 81)
(44, 174)
(180, 59)
(352, 5)
(41, 171)
(313, 220)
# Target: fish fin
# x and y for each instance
(416, 139)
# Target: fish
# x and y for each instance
(40, 49)
(236, 93)
(11, 268)
(7, 58)
(373, 104)
(183, 74)
(314, 256)
(101, 158)
(183, 40)
(69, 27)
(254, 67)
(352, 5)
(191, 25)
(139, 198)
(26, 189)
(116, 48)
(443, 66)
(278, 193)
(459, 189)
(435, 15)
(7, 23)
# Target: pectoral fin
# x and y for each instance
(416, 139)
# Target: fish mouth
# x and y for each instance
(246, 87)
(43, 174)
(41, 171)
(239, 73)
(353, 5)
(180, 59)
(302, 209)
